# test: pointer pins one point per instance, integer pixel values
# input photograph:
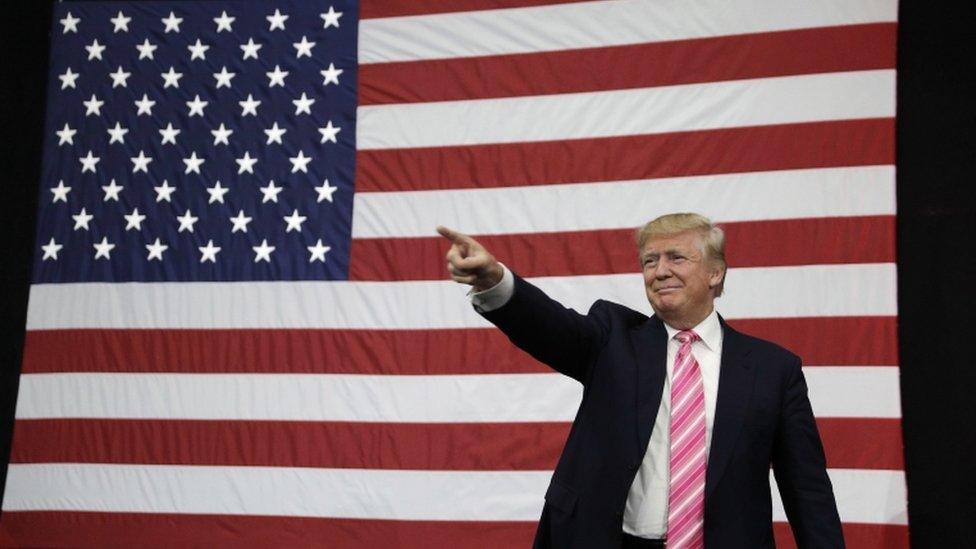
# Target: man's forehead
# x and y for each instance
(687, 242)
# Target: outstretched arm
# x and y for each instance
(555, 335)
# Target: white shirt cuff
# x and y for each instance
(496, 296)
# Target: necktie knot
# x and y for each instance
(687, 336)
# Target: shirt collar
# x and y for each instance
(709, 330)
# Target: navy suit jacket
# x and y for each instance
(762, 418)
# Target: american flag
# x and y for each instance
(240, 331)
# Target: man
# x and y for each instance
(681, 416)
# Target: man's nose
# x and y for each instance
(663, 269)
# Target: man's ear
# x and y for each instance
(716, 276)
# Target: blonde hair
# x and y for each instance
(713, 238)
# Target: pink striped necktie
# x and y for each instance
(686, 497)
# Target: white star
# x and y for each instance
(223, 77)
(187, 221)
(60, 192)
(303, 105)
(270, 192)
(117, 134)
(198, 50)
(93, 106)
(172, 23)
(330, 74)
(67, 135)
(217, 193)
(95, 50)
(303, 48)
(103, 248)
(171, 78)
(331, 18)
(263, 252)
(51, 250)
(329, 132)
(318, 251)
(88, 162)
(221, 134)
(68, 78)
(294, 221)
(276, 77)
(112, 191)
(146, 49)
(196, 106)
(300, 162)
(82, 219)
(156, 250)
(251, 49)
(121, 22)
(134, 220)
(240, 222)
(245, 163)
(141, 163)
(164, 191)
(277, 21)
(223, 22)
(249, 106)
(325, 191)
(144, 105)
(70, 24)
(193, 163)
(274, 134)
(119, 77)
(169, 134)
(209, 252)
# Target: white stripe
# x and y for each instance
(301, 397)
(779, 100)
(868, 391)
(759, 292)
(725, 198)
(278, 491)
(368, 398)
(595, 24)
(862, 495)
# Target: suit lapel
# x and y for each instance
(735, 384)
(650, 344)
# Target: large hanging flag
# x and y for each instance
(240, 329)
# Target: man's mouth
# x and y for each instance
(667, 289)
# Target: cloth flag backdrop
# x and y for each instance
(240, 331)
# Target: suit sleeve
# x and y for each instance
(801, 469)
(558, 336)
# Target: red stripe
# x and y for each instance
(104, 530)
(125, 530)
(833, 341)
(632, 157)
(769, 243)
(855, 341)
(856, 536)
(398, 8)
(851, 443)
(737, 57)
(858, 443)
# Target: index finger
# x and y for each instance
(452, 235)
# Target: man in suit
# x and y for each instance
(681, 416)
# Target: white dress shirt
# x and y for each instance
(646, 513)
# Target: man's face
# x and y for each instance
(678, 279)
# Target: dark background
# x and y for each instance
(936, 163)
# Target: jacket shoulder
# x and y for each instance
(617, 314)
